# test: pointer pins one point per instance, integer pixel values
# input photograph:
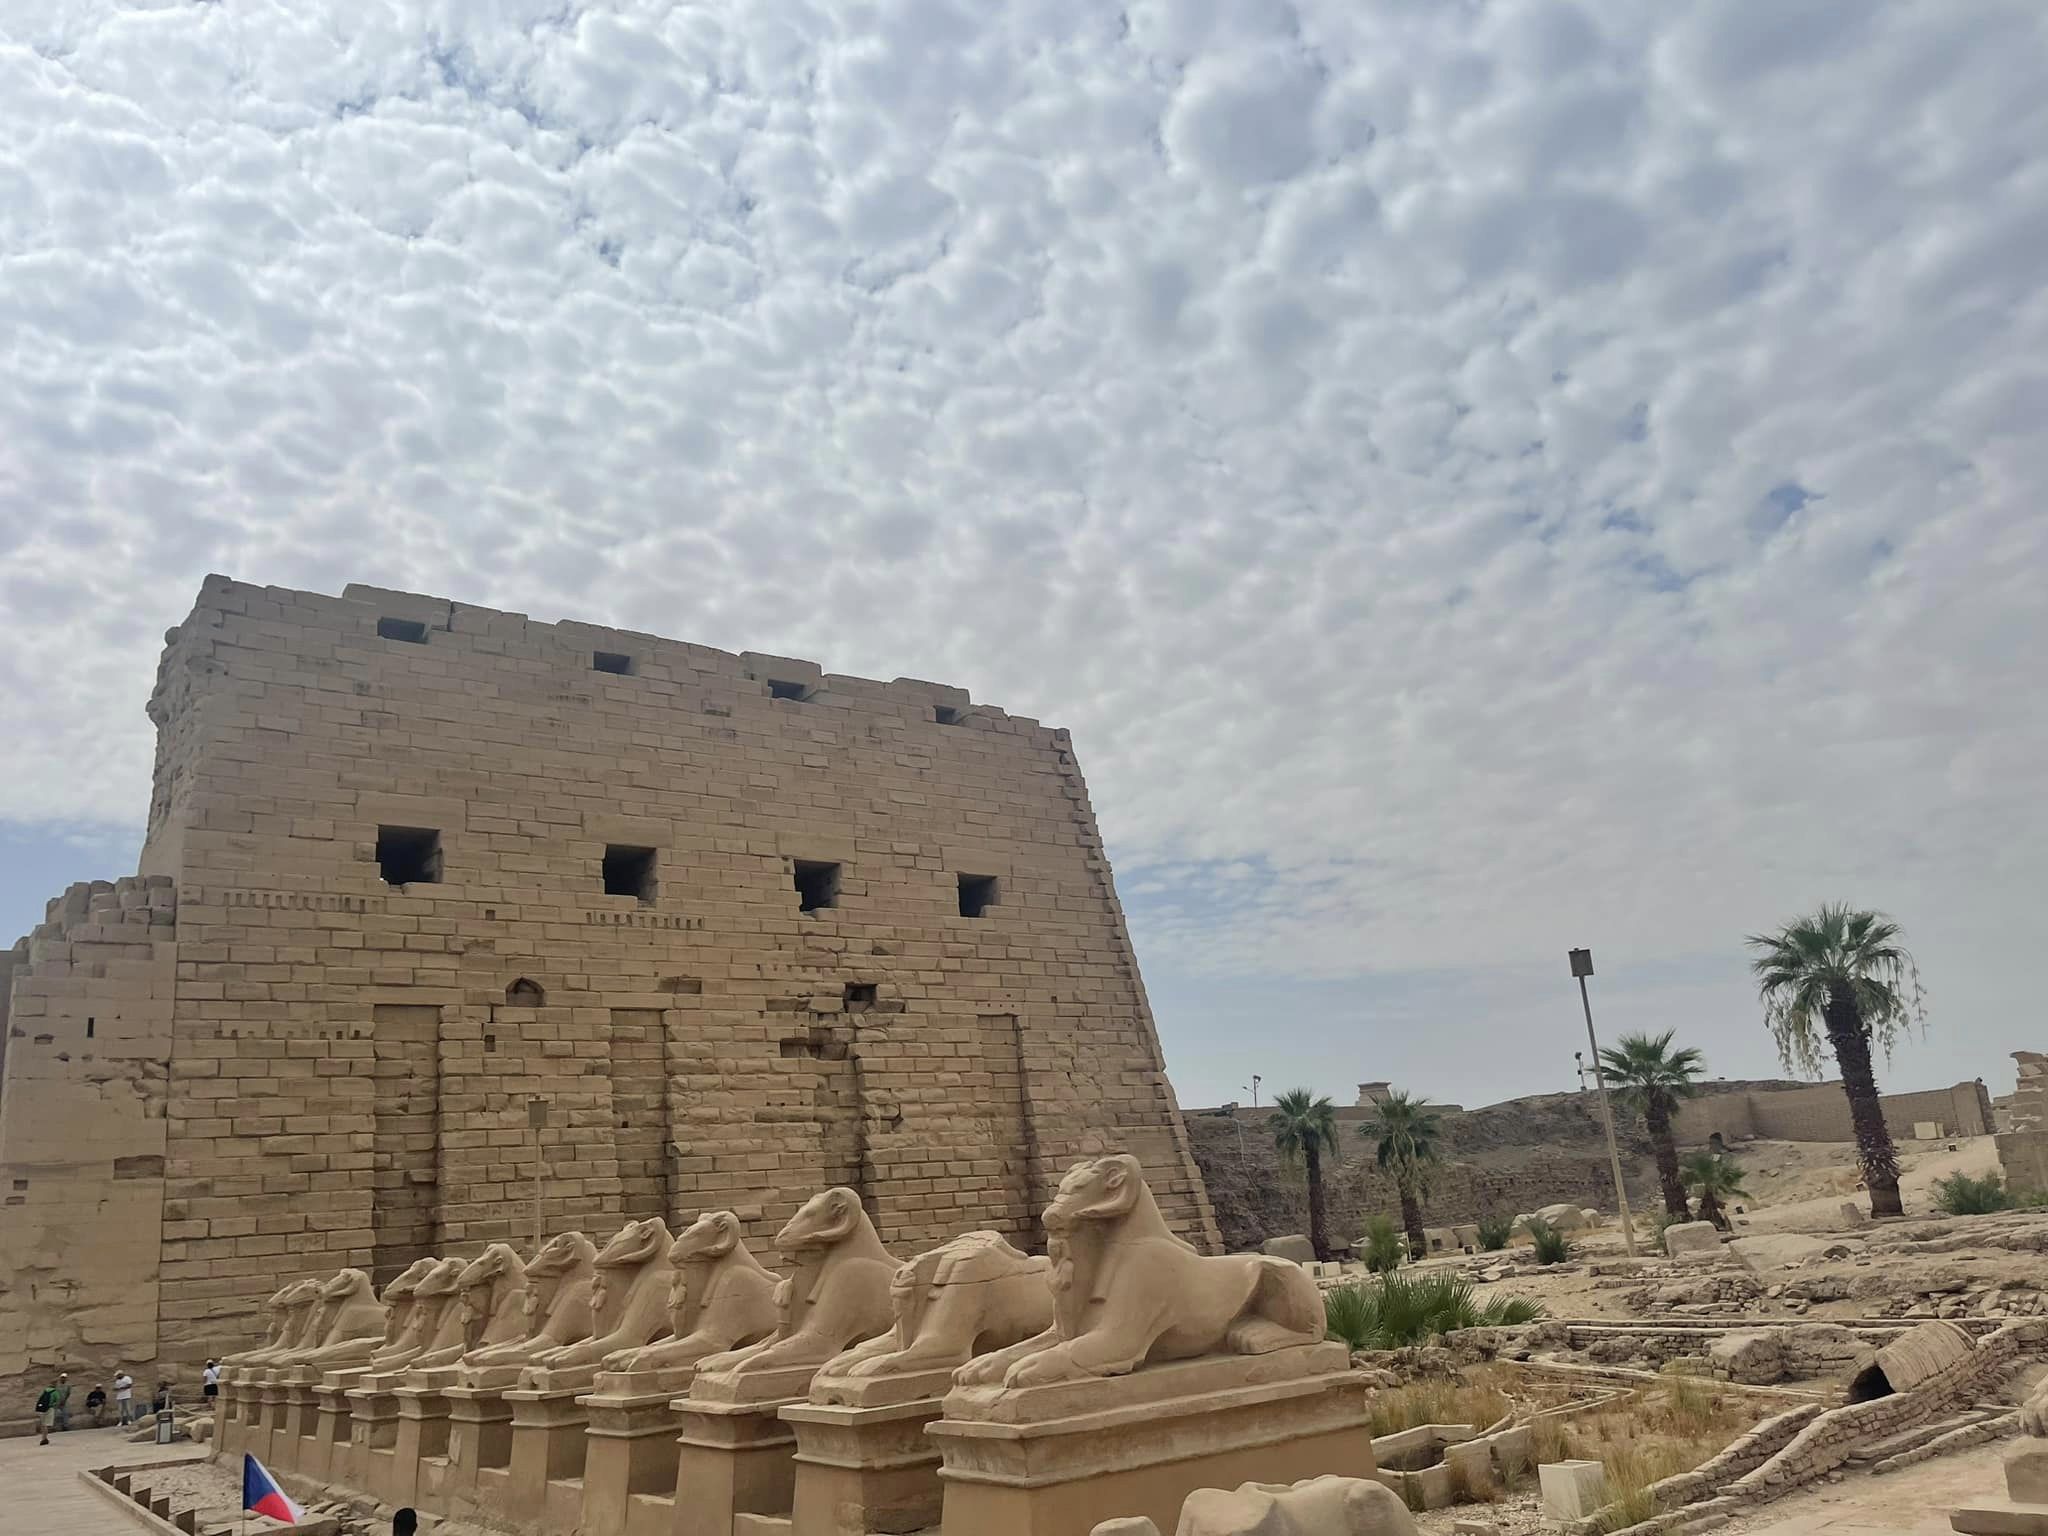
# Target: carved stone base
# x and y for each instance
(1055, 1460)
(422, 1439)
(735, 1458)
(674, 1381)
(558, 1378)
(631, 1449)
(479, 1438)
(325, 1458)
(783, 1384)
(882, 1391)
(295, 1433)
(864, 1470)
(547, 1457)
(372, 1439)
(488, 1378)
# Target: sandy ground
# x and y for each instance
(42, 1493)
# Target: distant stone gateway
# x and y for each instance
(452, 928)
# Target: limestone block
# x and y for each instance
(2026, 1472)
(1320, 1506)
(1136, 1525)
(1293, 1246)
(1690, 1237)
(1572, 1490)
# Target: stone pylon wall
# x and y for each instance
(85, 1008)
(353, 1061)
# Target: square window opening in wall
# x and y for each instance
(860, 996)
(629, 872)
(613, 662)
(412, 631)
(409, 855)
(977, 894)
(946, 714)
(817, 884)
(779, 689)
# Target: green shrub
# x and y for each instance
(1552, 1246)
(1384, 1247)
(1494, 1232)
(1397, 1310)
(1961, 1195)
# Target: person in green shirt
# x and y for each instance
(60, 1403)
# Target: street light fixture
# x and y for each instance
(1582, 967)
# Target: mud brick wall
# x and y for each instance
(351, 1061)
(1820, 1112)
(85, 1006)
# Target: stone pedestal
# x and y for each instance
(421, 1452)
(266, 1431)
(630, 1449)
(479, 1438)
(300, 1418)
(372, 1435)
(1054, 1460)
(325, 1458)
(546, 1468)
(864, 1471)
(232, 1418)
(735, 1458)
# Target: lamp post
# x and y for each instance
(1582, 967)
(1253, 1085)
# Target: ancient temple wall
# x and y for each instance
(356, 1062)
(87, 1014)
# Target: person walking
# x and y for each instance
(46, 1414)
(96, 1404)
(124, 1395)
(60, 1405)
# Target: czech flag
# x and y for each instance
(261, 1493)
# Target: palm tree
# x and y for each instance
(1843, 975)
(1650, 1078)
(1713, 1178)
(1406, 1133)
(1305, 1126)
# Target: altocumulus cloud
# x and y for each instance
(1475, 477)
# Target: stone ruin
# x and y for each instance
(452, 927)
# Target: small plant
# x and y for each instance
(1384, 1246)
(1961, 1195)
(1397, 1310)
(1552, 1246)
(1550, 1439)
(1494, 1232)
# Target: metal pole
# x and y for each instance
(1628, 1226)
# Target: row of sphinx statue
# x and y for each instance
(655, 1311)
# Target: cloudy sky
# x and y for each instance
(1476, 478)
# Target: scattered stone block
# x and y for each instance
(1684, 1238)
(1572, 1490)
(1293, 1246)
(1137, 1525)
(2026, 1472)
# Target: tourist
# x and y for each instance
(46, 1412)
(60, 1405)
(163, 1397)
(211, 1377)
(124, 1395)
(405, 1523)
(96, 1404)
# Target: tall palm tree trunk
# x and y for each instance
(1710, 1210)
(1657, 1117)
(1874, 1150)
(1411, 1221)
(1318, 1220)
